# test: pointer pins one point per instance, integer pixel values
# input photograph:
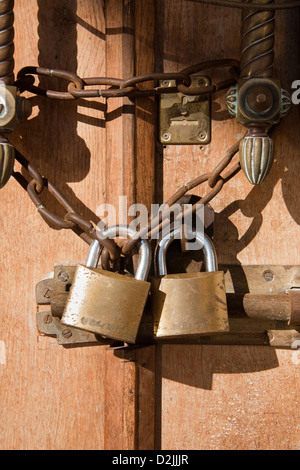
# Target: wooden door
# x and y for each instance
(162, 397)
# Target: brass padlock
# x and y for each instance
(105, 302)
(188, 303)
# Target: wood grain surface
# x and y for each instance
(54, 397)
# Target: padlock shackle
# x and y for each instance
(144, 254)
(210, 255)
(94, 253)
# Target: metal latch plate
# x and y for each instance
(185, 119)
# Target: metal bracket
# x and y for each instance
(185, 119)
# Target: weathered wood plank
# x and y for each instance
(54, 397)
(224, 397)
(232, 397)
(48, 391)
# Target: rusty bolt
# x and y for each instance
(66, 333)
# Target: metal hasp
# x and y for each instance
(185, 119)
(257, 101)
(51, 296)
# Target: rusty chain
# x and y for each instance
(105, 87)
(86, 230)
(96, 87)
(76, 87)
(37, 183)
(216, 180)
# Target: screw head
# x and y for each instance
(202, 135)
(48, 319)
(66, 333)
(166, 136)
(63, 276)
(166, 83)
(268, 276)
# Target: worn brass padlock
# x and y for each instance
(188, 303)
(105, 302)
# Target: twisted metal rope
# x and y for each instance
(7, 41)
